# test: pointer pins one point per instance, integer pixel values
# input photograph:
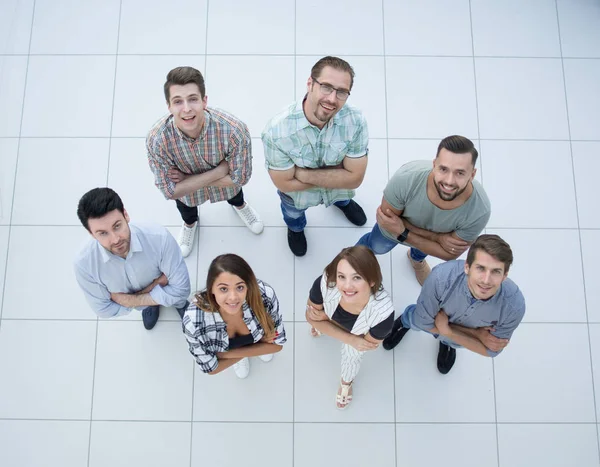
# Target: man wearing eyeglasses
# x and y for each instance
(316, 150)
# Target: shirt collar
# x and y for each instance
(303, 121)
(182, 135)
(134, 247)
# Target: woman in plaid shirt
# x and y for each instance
(237, 316)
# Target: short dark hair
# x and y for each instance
(97, 203)
(458, 145)
(181, 76)
(494, 246)
(363, 261)
(333, 62)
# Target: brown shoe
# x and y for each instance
(422, 269)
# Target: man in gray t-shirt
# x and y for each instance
(468, 304)
(437, 210)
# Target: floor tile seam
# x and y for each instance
(376, 138)
(114, 93)
(292, 55)
(387, 133)
(591, 356)
(286, 422)
(112, 114)
(14, 189)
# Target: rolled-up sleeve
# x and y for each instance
(505, 329)
(272, 306)
(275, 157)
(360, 142)
(206, 360)
(428, 303)
(173, 266)
(239, 158)
(160, 164)
(98, 296)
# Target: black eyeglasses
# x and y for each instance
(327, 89)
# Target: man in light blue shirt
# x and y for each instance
(128, 266)
(468, 304)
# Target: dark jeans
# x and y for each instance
(190, 214)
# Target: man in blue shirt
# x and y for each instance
(128, 266)
(468, 304)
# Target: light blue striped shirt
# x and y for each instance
(153, 251)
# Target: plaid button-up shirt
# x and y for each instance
(206, 332)
(291, 140)
(223, 137)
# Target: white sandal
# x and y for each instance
(343, 397)
(316, 332)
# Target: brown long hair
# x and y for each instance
(363, 261)
(238, 266)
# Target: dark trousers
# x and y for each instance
(190, 214)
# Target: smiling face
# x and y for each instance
(452, 174)
(187, 105)
(230, 293)
(112, 232)
(318, 107)
(485, 275)
(353, 287)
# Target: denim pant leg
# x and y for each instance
(417, 255)
(407, 317)
(376, 241)
(343, 203)
(294, 218)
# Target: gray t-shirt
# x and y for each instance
(407, 191)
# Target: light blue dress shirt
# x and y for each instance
(153, 251)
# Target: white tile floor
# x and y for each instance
(80, 85)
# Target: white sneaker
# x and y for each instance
(242, 368)
(250, 218)
(266, 358)
(186, 238)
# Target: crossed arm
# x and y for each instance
(321, 322)
(349, 174)
(478, 340)
(264, 347)
(445, 246)
(141, 298)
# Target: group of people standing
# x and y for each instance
(316, 152)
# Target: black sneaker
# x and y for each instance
(398, 332)
(181, 310)
(150, 316)
(297, 242)
(446, 358)
(354, 213)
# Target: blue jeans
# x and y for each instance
(408, 322)
(295, 218)
(380, 244)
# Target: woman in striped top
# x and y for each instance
(349, 304)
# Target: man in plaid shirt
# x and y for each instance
(315, 150)
(198, 153)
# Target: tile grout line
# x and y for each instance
(112, 116)
(483, 184)
(314, 422)
(498, 57)
(294, 271)
(375, 138)
(562, 62)
(198, 260)
(387, 159)
(14, 190)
